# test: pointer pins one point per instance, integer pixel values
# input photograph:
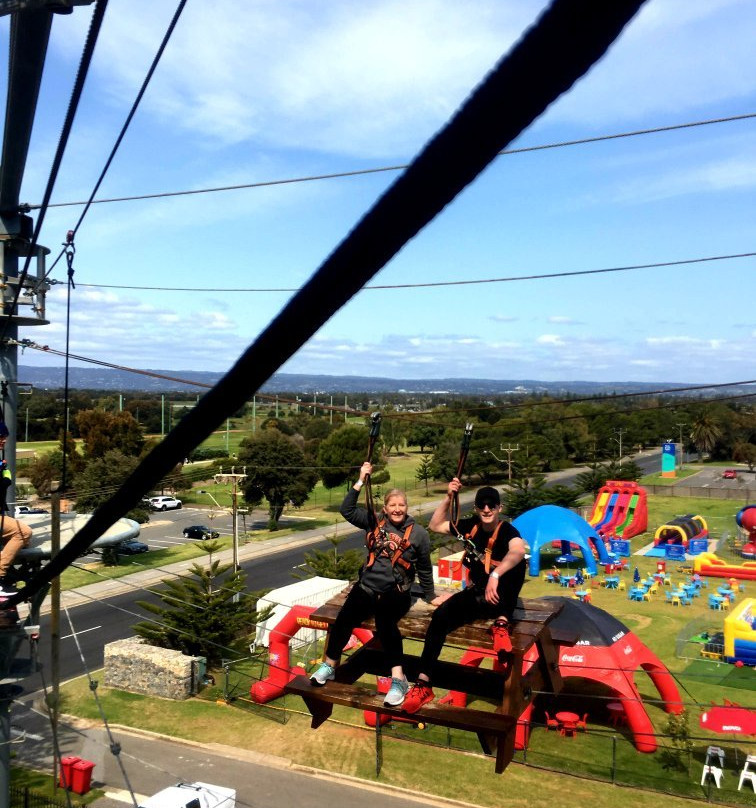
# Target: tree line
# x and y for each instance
(290, 449)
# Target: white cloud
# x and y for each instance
(550, 339)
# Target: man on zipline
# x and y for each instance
(497, 572)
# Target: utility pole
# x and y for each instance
(234, 478)
(619, 432)
(509, 449)
(680, 427)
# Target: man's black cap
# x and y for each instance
(487, 496)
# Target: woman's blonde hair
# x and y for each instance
(394, 492)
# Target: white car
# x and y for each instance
(164, 503)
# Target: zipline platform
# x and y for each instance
(512, 685)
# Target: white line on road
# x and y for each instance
(83, 631)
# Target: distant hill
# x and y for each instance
(126, 382)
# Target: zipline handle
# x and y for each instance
(463, 451)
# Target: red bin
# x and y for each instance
(66, 771)
(82, 776)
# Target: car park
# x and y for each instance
(200, 532)
(164, 503)
(730, 474)
(131, 547)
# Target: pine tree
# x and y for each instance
(208, 614)
(332, 564)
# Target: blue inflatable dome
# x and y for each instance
(548, 523)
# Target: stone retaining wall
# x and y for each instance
(134, 665)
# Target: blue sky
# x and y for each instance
(292, 89)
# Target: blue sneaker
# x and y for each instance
(323, 674)
(396, 693)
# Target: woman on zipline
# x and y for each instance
(397, 549)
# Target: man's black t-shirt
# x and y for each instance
(500, 548)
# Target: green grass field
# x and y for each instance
(599, 757)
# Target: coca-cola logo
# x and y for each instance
(572, 658)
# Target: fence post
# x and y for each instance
(614, 759)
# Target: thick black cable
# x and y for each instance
(124, 128)
(132, 111)
(561, 47)
(115, 747)
(73, 105)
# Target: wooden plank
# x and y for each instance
(529, 618)
(365, 698)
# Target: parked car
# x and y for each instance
(164, 503)
(730, 474)
(131, 547)
(23, 510)
(200, 532)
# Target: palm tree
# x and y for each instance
(705, 432)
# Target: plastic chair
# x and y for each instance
(551, 723)
(675, 600)
(715, 772)
(668, 596)
(724, 605)
(621, 586)
(581, 724)
(749, 773)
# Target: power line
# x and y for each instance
(381, 169)
(124, 128)
(431, 284)
(73, 105)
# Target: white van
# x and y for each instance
(192, 795)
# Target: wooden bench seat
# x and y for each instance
(491, 728)
(512, 685)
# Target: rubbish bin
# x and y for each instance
(82, 776)
(66, 773)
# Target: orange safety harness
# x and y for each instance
(378, 543)
(486, 560)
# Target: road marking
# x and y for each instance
(120, 795)
(27, 736)
(83, 631)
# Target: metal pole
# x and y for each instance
(54, 697)
(235, 534)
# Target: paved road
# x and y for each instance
(152, 762)
(105, 611)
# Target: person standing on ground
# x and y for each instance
(15, 534)
(397, 549)
(497, 571)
